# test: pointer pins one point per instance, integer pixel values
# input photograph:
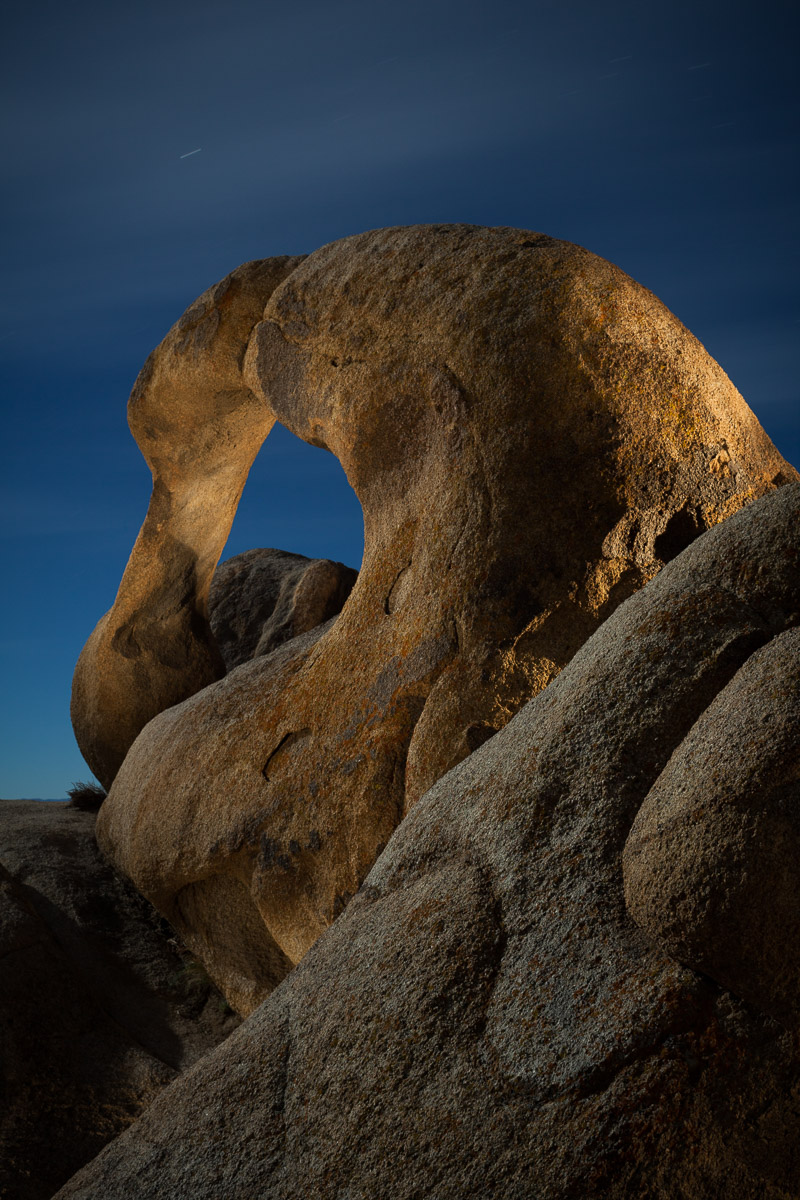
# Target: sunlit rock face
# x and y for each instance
(531, 435)
(552, 983)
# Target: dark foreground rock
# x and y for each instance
(98, 1011)
(262, 598)
(486, 1018)
(721, 824)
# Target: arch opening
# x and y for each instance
(297, 498)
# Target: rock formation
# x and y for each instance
(263, 598)
(531, 435)
(199, 428)
(486, 1018)
(98, 1009)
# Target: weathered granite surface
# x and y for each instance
(486, 1018)
(98, 1009)
(531, 435)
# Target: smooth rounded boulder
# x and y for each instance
(487, 1018)
(711, 863)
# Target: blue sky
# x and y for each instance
(661, 137)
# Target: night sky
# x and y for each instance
(663, 137)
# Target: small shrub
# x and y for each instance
(193, 977)
(87, 796)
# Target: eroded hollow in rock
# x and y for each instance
(679, 532)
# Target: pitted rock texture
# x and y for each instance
(199, 428)
(531, 435)
(262, 598)
(485, 1018)
(98, 1009)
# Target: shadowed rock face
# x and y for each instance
(263, 598)
(711, 863)
(531, 436)
(98, 1009)
(486, 1018)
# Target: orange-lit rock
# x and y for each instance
(199, 428)
(531, 435)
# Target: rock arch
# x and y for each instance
(199, 428)
(520, 421)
